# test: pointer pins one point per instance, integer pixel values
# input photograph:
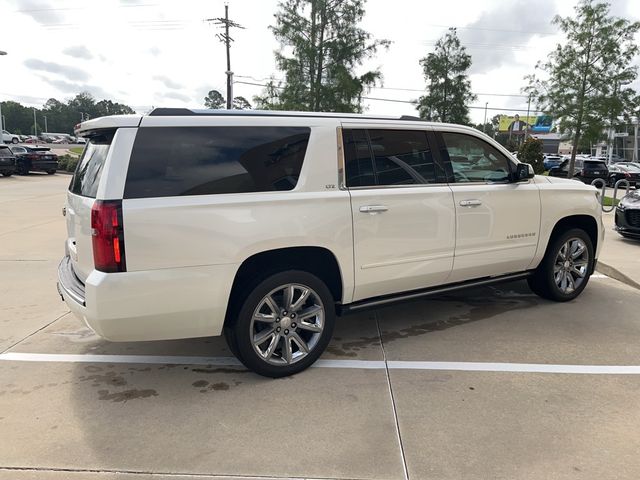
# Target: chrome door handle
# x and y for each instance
(373, 208)
(470, 203)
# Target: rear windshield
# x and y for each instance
(173, 161)
(87, 175)
(5, 152)
(594, 165)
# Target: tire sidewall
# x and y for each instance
(550, 258)
(241, 326)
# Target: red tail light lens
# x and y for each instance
(107, 233)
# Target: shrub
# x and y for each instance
(62, 162)
(71, 164)
(531, 152)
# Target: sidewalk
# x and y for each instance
(619, 257)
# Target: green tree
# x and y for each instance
(491, 127)
(586, 79)
(326, 47)
(531, 152)
(214, 100)
(448, 86)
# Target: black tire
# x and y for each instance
(612, 182)
(7, 174)
(51, 172)
(239, 331)
(543, 283)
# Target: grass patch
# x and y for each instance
(77, 150)
(610, 201)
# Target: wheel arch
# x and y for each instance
(584, 222)
(319, 261)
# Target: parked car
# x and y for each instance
(7, 161)
(10, 137)
(585, 170)
(38, 159)
(628, 215)
(263, 225)
(31, 139)
(551, 161)
(624, 171)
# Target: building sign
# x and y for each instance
(516, 124)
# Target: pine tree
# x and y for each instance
(327, 47)
(448, 86)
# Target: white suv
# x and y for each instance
(266, 225)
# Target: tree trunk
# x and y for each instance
(312, 56)
(574, 150)
(320, 51)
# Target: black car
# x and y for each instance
(39, 159)
(585, 170)
(628, 215)
(624, 171)
(7, 161)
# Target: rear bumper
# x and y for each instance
(150, 305)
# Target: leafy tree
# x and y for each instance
(327, 46)
(241, 103)
(491, 127)
(531, 152)
(586, 78)
(448, 85)
(214, 100)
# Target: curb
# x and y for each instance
(616, 274)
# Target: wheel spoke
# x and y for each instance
(260, 337)
(268, 353)
(581, 272)
(261, 317)
(300, 301)
(310, 327)
(289, 291)
(571, 283)
(563, 252)
(578, 251)
(302, 345)
(271, 303)
(287, 353)
(309, 312)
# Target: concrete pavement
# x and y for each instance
(620, 257)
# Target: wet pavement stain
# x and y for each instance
(219, 370)
(206, 387)
(126, 395)
(108, 379)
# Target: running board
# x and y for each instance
(427, 292)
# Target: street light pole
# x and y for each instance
(35, 125)
(45, 124)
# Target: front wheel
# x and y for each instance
(283, 325)
(14, 140)
(566, 267)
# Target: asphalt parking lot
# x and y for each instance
(492, 383)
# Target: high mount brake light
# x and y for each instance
(107, 233)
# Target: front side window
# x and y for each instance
(174, 161)
(474, 160)
(386, 157)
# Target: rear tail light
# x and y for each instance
(107, 233)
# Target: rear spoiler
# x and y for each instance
(85, 129)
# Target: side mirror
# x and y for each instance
(524, 171)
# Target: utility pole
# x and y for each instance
(226, 39)
(45, 123)
(35, 125)
(526, 123)
(484, 124)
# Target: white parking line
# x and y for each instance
(363, 364)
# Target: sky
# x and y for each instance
(152, 53)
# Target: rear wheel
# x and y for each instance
(14, 140)
(51, 172)
(565, 269)
(283, 325)
(7, 174)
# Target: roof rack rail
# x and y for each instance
(182, 112)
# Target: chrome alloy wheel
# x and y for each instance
(287, 324)
(571, 264)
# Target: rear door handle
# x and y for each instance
(470, 203)
(373, 208)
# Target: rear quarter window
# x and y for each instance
(175, 161)
(86, 178)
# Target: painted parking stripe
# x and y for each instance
(361, 364)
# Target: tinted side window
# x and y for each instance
(402, 157)
(175, 161)
(357, 157)
(387, 157)
(89, 170)
(474, 160)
